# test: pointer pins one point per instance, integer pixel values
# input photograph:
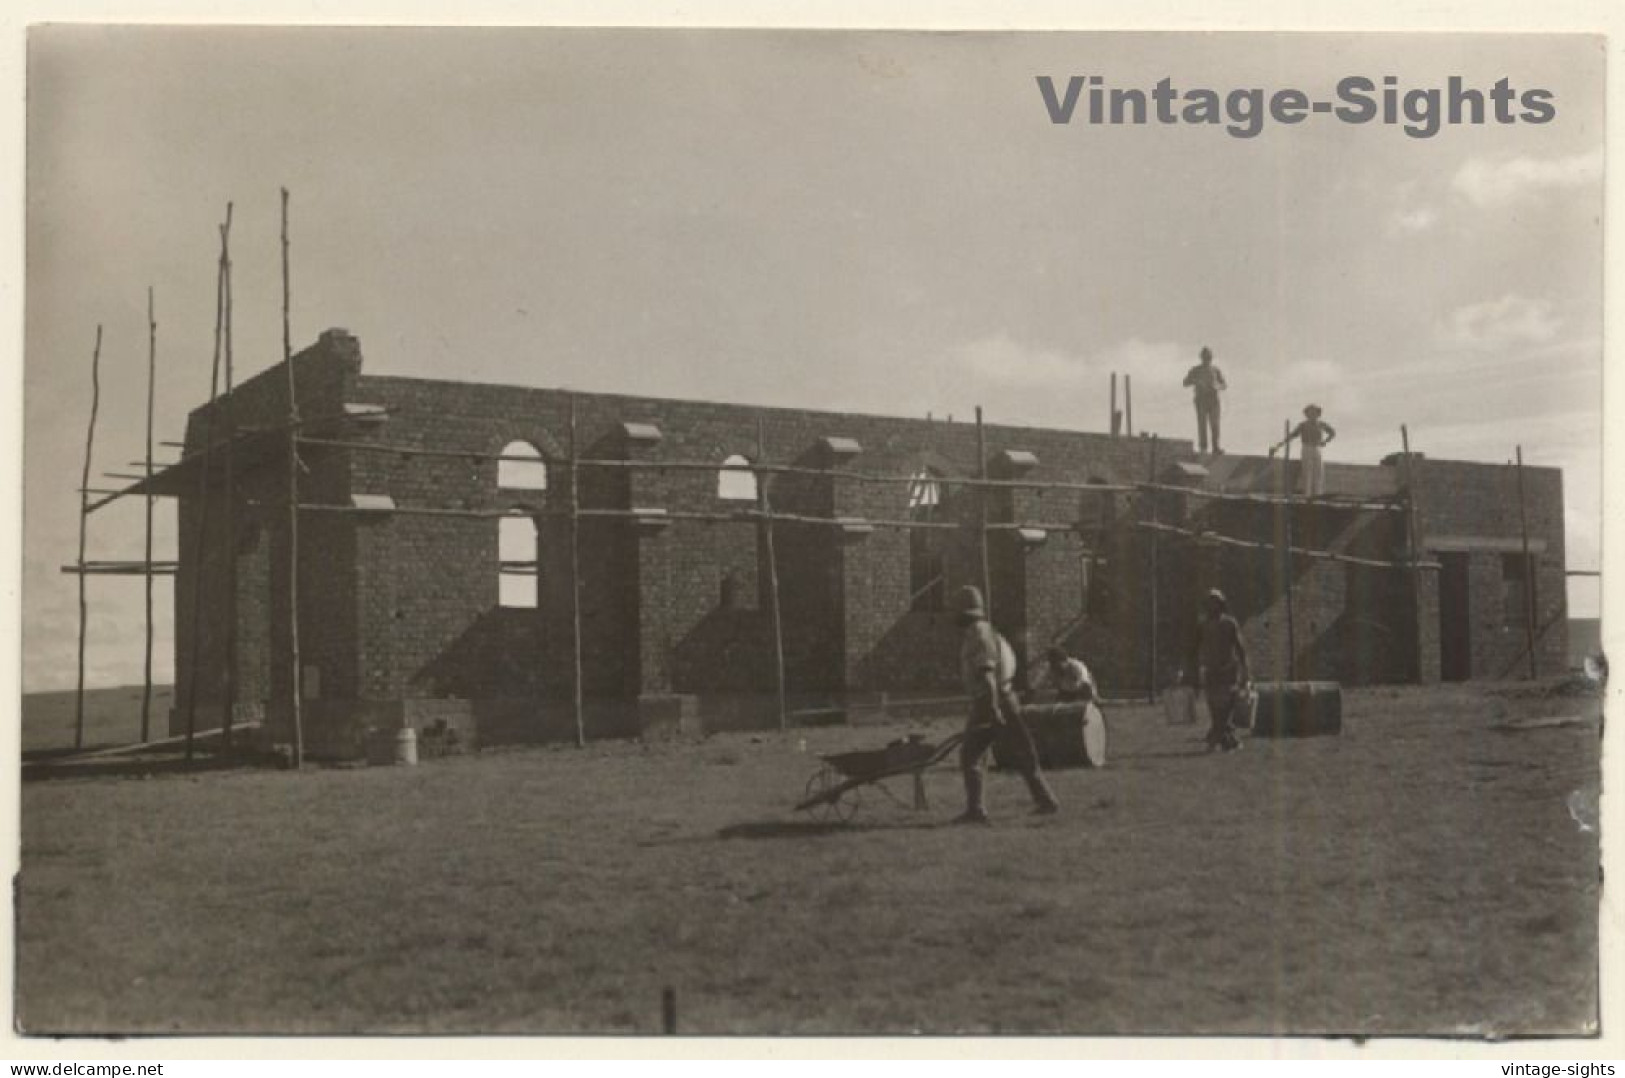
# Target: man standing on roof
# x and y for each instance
(988, 665)
(1218, 666)
(1207, 380)
(1315, 434)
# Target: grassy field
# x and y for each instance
(1434, 869)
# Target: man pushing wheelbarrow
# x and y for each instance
(988, 666)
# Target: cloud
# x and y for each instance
(1003, 358)
(1413, 220)
(1499, 323)
(1495, 184)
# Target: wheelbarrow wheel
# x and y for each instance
(839, 808)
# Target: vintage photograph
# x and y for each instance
(810, 532)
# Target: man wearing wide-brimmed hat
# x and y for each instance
(988, 665)
(1315, 434)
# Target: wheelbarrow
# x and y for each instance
(835, 790)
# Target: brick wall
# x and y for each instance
(258, 410)
(1473, 509)
(400, 610)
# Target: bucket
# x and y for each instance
(1061, 735)
(406, 746)
(1179, 705)
(1298, 709)
(1246, 709)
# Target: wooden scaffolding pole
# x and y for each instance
(200, 556)
(766, 507)
(578, 700)
(296, 680)
(987, 571)
(1297, 552)
(1114, 419)
(230, 493)
(1284, 552)
(1412, 546)
(1128, 403)
(1151, 680)
(84, 518)
(152, 379)
(1528, 575)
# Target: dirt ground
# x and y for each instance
(1432, 870)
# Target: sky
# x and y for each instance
(877, 222)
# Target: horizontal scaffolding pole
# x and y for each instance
(1266, 499)
(219, 446)
(1323, 555)
(738, 517)
(860, 477)
(717, 466)
(132, 568)
(651, 516)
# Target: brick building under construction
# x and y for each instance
(438, 524)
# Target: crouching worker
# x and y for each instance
(1067, 677)
(1219, 668)
(989, 665)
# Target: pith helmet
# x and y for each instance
(968, 600)
(1312, 411)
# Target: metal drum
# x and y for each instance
(1094, 736)
(1066, 735)
(1298, 709)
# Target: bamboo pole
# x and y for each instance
(296, 682)
(200, 557)
(578, 700)
(1528, 575)
(1112, 419)
(1286, 556)
(230, 496)
(84, 517)
(152, 379)
(987, 571)
(1151, 681)
(766, 507)
(1128, 402)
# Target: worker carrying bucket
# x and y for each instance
(1218, 666)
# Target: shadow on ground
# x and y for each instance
(132, 767)
(767, 829)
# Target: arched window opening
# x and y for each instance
(521, 468)
(736, 482)
(517, 554)
(927, 547)
(924, 491)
